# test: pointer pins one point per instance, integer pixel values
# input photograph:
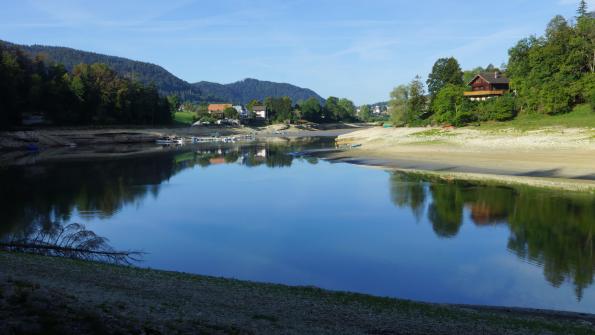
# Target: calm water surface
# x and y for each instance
(255, 212)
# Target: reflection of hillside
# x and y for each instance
(552, 229)
(270, 154)
(50, 192)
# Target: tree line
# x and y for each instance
(549, 75)
(91, 94)
(282, 109)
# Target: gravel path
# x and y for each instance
(43, 295)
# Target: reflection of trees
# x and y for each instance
(556, 231)
(446, 210)
(270, 154)
(46, 194)
(50, 192)
(549, 228)
(408, 190)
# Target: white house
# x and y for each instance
(260, 111)
(243, 112)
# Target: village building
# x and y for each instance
(260, 111)
(216, 110)
(487, 85)
(242, 112)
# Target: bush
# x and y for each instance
(497, 109)
(447, 103)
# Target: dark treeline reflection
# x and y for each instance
(552, 229)
(46, 194)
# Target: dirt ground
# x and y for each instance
(48, 295)
(45, 138)
(546, 157)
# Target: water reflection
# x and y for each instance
(552, 229)
(47, 194)
(339, 211)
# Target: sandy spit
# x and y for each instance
(559, 158)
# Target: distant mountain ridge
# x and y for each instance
(242, 91)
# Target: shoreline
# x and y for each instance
(77, 144)
(46, 138)
(77, 294)
(564, 160)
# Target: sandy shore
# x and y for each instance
(43, 295)
(80, 143)
(562, 158)
(45, 138)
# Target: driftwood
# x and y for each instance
(73, 241)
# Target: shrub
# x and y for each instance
(497, 109)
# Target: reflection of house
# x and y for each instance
(261, 153)
(484, 214)
(260, 111)
(217, 109)
(487, 85)
(217, 160)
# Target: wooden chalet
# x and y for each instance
(487, 85)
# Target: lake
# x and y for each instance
(256, 212)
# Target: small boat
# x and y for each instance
(356, 145)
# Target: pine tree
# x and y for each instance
(582, 9)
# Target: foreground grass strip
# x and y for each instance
(74, 297)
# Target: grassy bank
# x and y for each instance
(184, 117)
(582, 116)
(62, 296)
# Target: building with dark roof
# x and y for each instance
(486, 85)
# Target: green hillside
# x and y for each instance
(238, 92)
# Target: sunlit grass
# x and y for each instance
(184, 117)
(432, 133)
(581, 117)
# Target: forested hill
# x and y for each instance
(244, 91)
(238, 92)
(147, 73)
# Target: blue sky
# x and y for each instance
(347, 48)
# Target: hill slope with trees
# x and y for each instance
(90, 94)
(238, 92)
(249, 89)
(550, 75)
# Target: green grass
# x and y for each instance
(432, 133)
(582, 116)
(184, 117)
